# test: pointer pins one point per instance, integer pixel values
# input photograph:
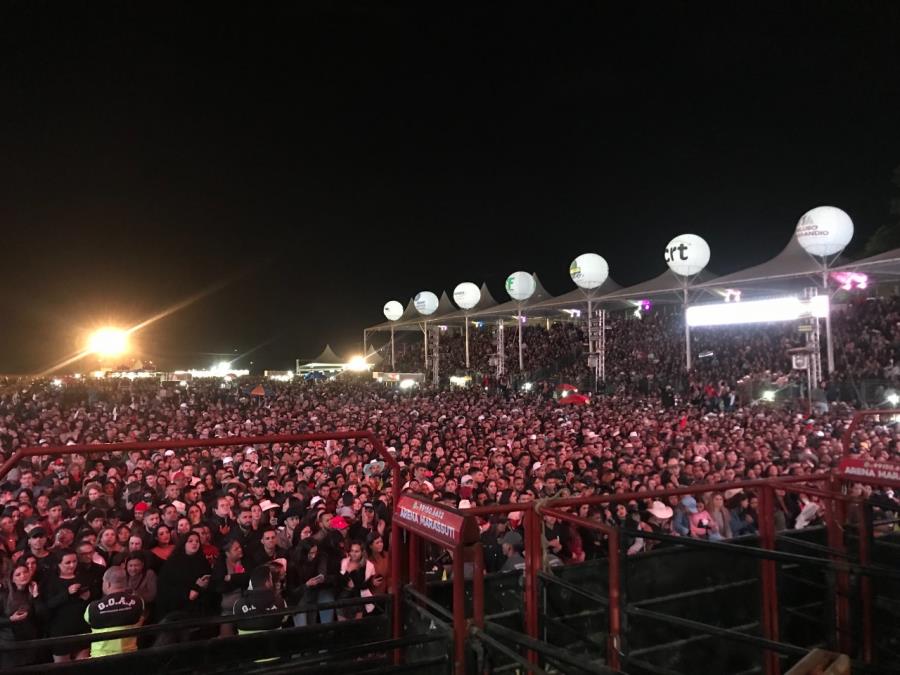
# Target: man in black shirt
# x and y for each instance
(119, 608)
(257, 603)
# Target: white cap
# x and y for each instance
(169, 452)
(465, 504)
(267, 505)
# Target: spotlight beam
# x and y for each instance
(196, 297)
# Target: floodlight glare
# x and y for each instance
(108, 342)
(893, 399)
(757, 311)
(357, 364)
(769, 395)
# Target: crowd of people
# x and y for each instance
(645, 350)
(90, 542)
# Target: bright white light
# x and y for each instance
(893, 399)
(357, 364)
(108, 342)
(407, 384)
(77, 376)
(757, 311)
(458, 381)
(768, 395)
(574, 313)
(851, 280)
(56, 382)
(528, 386)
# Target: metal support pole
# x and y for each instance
(834, 519)
(592, 343)
(601, 315)
(365, 345)
(768, 571)
(415, 562)
(865, 559)
(467, 342)
(478, 585)
(425, 336)
(436, 356)
(829, 347)
(501, 350)
(393, 361)
(532, 567)
(614, 648)
(396, 587)
(687, 333)
(460, 630)
(521, 359)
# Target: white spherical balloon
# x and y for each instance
(589, 270)
(467, 295)
(520, 286)
(393, 310)
(687, 254)
(824, 231)
(426, 303)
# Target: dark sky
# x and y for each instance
(324, 157)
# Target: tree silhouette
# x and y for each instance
(887, 236)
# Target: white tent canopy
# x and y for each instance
(513, 307)
(577, 297)
(667, 283)
(793, 266)
(791, 263)
(882, 264)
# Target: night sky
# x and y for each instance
(301, 166)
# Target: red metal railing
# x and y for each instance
(406, 560)
(835, 515)
(95, 448)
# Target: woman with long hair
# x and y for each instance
(306, 577)
(195, 514)
(184, 580)
(229, 580)
(164, 548)
(67, 598)
(140, 578)
(9, 535)
(18, 615)
(382, 564)
(108, 546)
(357, 574)
(720, 515)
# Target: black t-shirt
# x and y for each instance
(116, 609)
(256, 605)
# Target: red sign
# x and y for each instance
(430, 520)
(851, 466)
